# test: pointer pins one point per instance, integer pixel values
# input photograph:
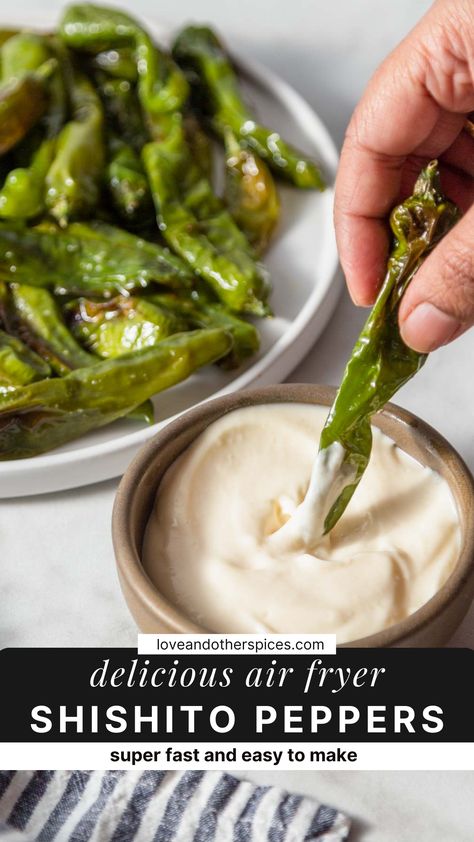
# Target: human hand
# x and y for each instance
(414, 109)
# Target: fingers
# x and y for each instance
(439, 303)
(371, 166)
(414, 105)
(460, 154)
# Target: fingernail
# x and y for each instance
(426, 328)
(361, 300)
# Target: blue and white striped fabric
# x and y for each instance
(117, 806)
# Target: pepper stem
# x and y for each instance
(428, 184)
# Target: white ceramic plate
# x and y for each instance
(302, 263)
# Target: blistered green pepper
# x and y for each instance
(4, 301)
(33, 313)
(250, 193)
(202, 232)
(73, 181)
(123, 110)
(93, 258)
(120, 63)
(22, 103)
(202, 313)
(199, 143)
(23, 193)
(381, 362)
(47, 414)
(162, 87)
(198, 49)
(128, 184)
(24, 53)
(58, 103)
(197, 226)
(37, 320)
(5, 35)
(19, 365)
(123, 324)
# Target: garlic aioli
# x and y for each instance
(213, 546)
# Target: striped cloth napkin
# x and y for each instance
(117, 806)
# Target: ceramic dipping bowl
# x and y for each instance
(432, 625)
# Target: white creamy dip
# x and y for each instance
(212, 545)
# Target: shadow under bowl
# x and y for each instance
(432, 625)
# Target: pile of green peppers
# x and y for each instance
(122, 270)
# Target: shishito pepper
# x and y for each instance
(197, 226)
(22, 195)
(41, 324)
(128, 184)
(116, 327)
(121, 325)
(250, 193)
(198, 49)
(205, 313)
(19, 365)
(73, 180)
(23, 53)
(162, 88)
(192, 220)
(381, 362)
(199, 143)
(22, 102)
(37, 320)
(47, 414)
(122, 110)
(86, 258)
(23, 192)
(119, 63)
(126, 135)
(5, 35)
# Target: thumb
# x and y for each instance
(439, 303)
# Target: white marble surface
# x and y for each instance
(57, 571)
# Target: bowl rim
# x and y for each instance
(132, 572)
